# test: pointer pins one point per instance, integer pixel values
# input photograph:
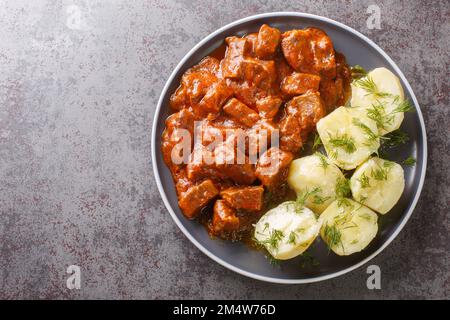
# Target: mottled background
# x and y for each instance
(79, 83)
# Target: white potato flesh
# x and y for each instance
(315, 172)
(378, 184)
(385, 83)
(348, 226)
(287, 231)
(359, 141)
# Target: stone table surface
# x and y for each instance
(79, 84)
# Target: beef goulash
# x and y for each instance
(258, 84)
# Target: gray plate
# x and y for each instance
(359, 50)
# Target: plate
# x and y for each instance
(358, 49)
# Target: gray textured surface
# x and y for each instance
(78, 88)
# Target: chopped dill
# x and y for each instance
(344, 142)
(319, 199)
(323, 160)
(410, 161)
(370, 87)
(342, 188)
(302, 197)
(395, 138)
(292, 238)
(404, 106)
(364, 181)
(307, 260)
(317, 141)
(332, 236)
(358, 72)
(373, 137)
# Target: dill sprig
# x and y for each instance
(333, 236)
(344, 142)
(303, 196)
(373, 137)
(342, 188)
(382, 172)
(404, 106)
(274, 238)
(358, 72)
(292, 238)
(364, 181)
(317, 141)
(370, 87)
(395, 138)
(323, 160)
(410, 161)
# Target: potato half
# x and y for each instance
(380, 93)
(349, 136)
(378, 184)
(315, 174)
(286, 231)
(348, 226)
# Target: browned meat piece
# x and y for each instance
(290, 138)
(224, 219)
(309, 51)
(240, 112)
(335, 92)
(232, 62)
(195, 83)
(308, 109)
(224, 163)
(259, 138)
(268, 41)
(268, 106)
(179, 126)
(214, 98)
(197, 197)
(273, 166)
(299, 83)
(246, 92)
(261, 73)
(245, 198)
(234, 164)
(252, 40)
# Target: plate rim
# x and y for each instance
(212, 255)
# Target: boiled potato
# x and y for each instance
(380, 93)
(315, 174)
(287, 230)
(378, 184)
(349, 136)
(348, 227)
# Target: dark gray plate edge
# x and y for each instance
(271, 279)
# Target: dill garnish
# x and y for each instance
(370, 87)
(410, 161)
(344, 142)
(358, 72)
(369, 133)
(275, 237)
(303, 196)
(342, 188)
(317, 141)
(332, 236)
(395, 138)
(323, 160)
(364, 181)
(292, 238)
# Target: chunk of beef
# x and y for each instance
(178, 131)
(240, 112)
(195, 83)
(268, 41)
(308, 109)
(335, 92)
(290, 138)
(273, 166)
(309, 51)
(231, 64)
(268, 106)
(224, 163)
(299, 83)
(214, 99)
(196, 197)
(224, 219)
(245, 198)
